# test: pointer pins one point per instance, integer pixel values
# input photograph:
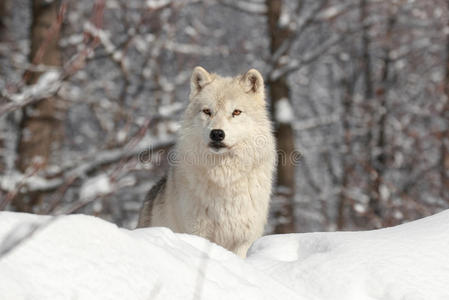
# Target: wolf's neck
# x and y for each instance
(221, 172)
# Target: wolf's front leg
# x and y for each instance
(242, 249)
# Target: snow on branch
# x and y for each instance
(52, 180)
(283, 111)
(249, 7)
(157, 4)
(316, 122)
(15, 181)
(194, 49)
(296, 64)
(112, 156)
(296, 26)
(334, 11)
(104, 39)
(52, 79)
(47, 85)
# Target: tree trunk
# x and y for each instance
(380, 156)
(370, 107)
(280, 91)
(366, 56)
(347, 163)
(41, 126)
(4, 14)
(444, 160)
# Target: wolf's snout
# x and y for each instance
(217, 135)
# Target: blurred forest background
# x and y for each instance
(92, 93)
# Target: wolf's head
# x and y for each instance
(225, 114)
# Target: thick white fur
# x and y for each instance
(220, 195)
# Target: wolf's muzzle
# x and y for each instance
(217, 145)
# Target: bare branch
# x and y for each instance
(76, 169)
(248, 7)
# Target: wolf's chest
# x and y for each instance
(224, 208)
(225, 216)
(223, 223)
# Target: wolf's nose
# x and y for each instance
(217, 135)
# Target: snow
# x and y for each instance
(47, 85)
(284, 111)
(13, 181)
(104, 36)
(83, 257)
(404, 262)
(333, 11)
(167, 110)
(96, 186)
(284, 19)
(156, 4)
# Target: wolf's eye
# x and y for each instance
(207, 112)
(236, 112)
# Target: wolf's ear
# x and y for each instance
(200, 77)
(252, 82)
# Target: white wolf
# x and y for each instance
(219, 183)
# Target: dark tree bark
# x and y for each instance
(41, 126)
(444, 160)
(4, 14)
(370, 106)
(347, 161)
(279, 89)
(379, 163)
(366, 47)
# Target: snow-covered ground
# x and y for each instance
(83, 257)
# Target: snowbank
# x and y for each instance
(83, 257)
